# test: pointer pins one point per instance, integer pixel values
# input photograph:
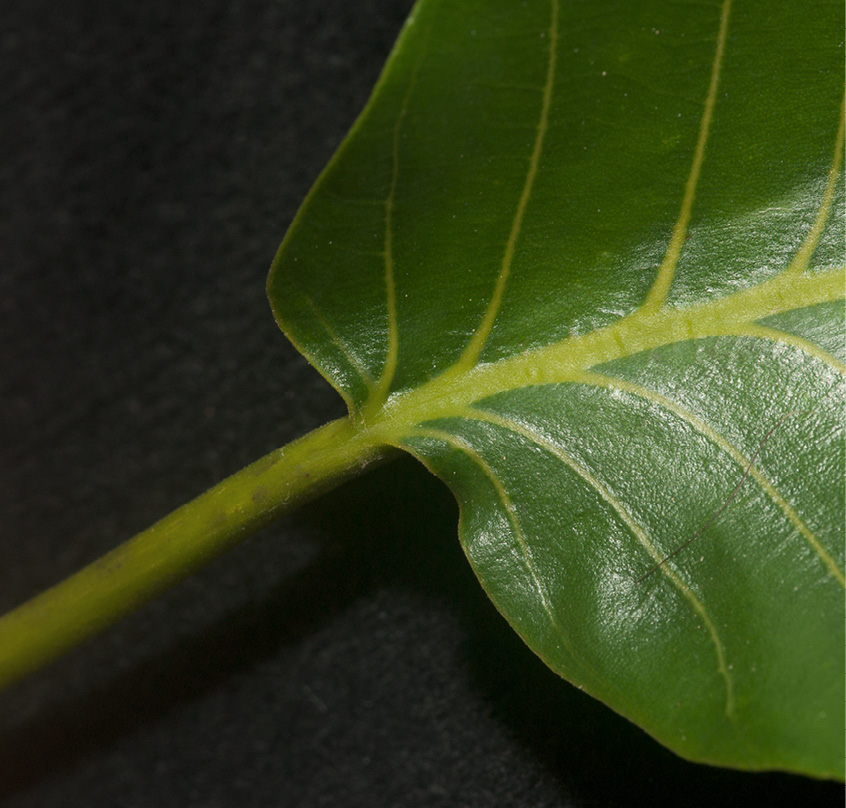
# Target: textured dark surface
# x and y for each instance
(153, 155)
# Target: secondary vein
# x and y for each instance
(745, 463)
(339, 343)
(480, 336)
(392, 348)
(804, 345)
(640, 534)
(667, 269)
(803, 254)
(511, 513)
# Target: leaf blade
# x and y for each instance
(586, 321)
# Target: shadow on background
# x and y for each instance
(393, 528)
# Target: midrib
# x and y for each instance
(449, 394)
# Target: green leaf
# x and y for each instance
(586, 261)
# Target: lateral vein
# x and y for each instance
(667, 269)
(480, 336)
(803, 255)
(339, 343)
(511, 512)
(804, 345)
(745, 463)
(640, 534)
(392, 348)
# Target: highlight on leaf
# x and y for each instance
(585, 264)
(593, 322)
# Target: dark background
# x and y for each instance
(151, 156)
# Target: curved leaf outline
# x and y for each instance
(587, 431)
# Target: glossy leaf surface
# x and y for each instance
(586, 261)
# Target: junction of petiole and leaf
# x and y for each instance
(98, 595)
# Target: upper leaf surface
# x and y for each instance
(585, 260)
